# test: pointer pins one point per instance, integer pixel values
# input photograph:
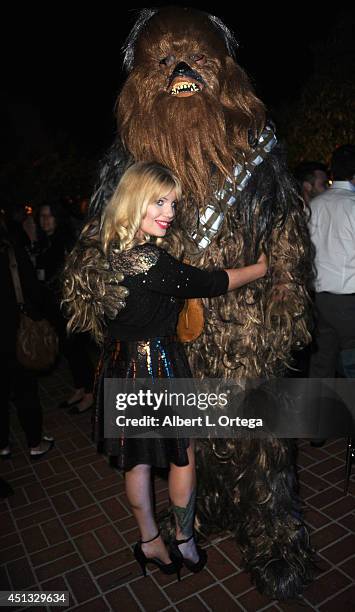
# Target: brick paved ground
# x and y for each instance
(68, 527)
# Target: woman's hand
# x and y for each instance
(242, 276)
(263, 263)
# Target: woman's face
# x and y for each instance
(47, 220)
(159, 215)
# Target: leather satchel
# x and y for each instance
(191, 319)
(36, 341)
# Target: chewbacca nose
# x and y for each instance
(181, 68)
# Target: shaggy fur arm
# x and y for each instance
(288, 304)
(91, 289)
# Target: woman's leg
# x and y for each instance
(24, 384)
(182, 492)
(82, 370)
(139, 493)
(28, 406)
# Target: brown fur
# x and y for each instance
(242, 335)
(187, 134)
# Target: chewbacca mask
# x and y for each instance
(180, 90)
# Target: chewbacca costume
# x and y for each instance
(188, 105)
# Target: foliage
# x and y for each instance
(324, 115)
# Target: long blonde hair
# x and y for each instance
(141, 185)
(89, 296)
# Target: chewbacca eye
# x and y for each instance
(167, 61)
(198, 58)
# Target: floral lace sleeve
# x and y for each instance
(133, 261)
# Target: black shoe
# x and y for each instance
(166, 568)
(318, 442)
(5, 453)
(5, 489)
(190, 565)
(36, 454)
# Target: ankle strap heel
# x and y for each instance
(166, 568)
(184, 541)
(190, 565)
(151, 540)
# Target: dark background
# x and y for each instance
(61, 73)
(62, 69)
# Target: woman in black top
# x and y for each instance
(140, 342)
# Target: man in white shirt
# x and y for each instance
(332, 228)
(312, 178)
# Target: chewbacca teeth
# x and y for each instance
(184, 86)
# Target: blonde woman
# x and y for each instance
(140, 341)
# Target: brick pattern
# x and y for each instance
(69, 527)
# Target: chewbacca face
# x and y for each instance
(186, 103)
(185, 54)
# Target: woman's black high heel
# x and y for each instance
(166, 568)
(190, 565)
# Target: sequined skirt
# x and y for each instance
(161, 357)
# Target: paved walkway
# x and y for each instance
(69, 527)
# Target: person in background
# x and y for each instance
(312, 179)
(56, 242)
(19, 383)
(332, 228)
(24, 228)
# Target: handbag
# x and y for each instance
(36, 341)
(191, 319)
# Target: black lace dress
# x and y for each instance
(141, 341)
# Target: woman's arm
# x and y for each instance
(241, 276)
(158, 271)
